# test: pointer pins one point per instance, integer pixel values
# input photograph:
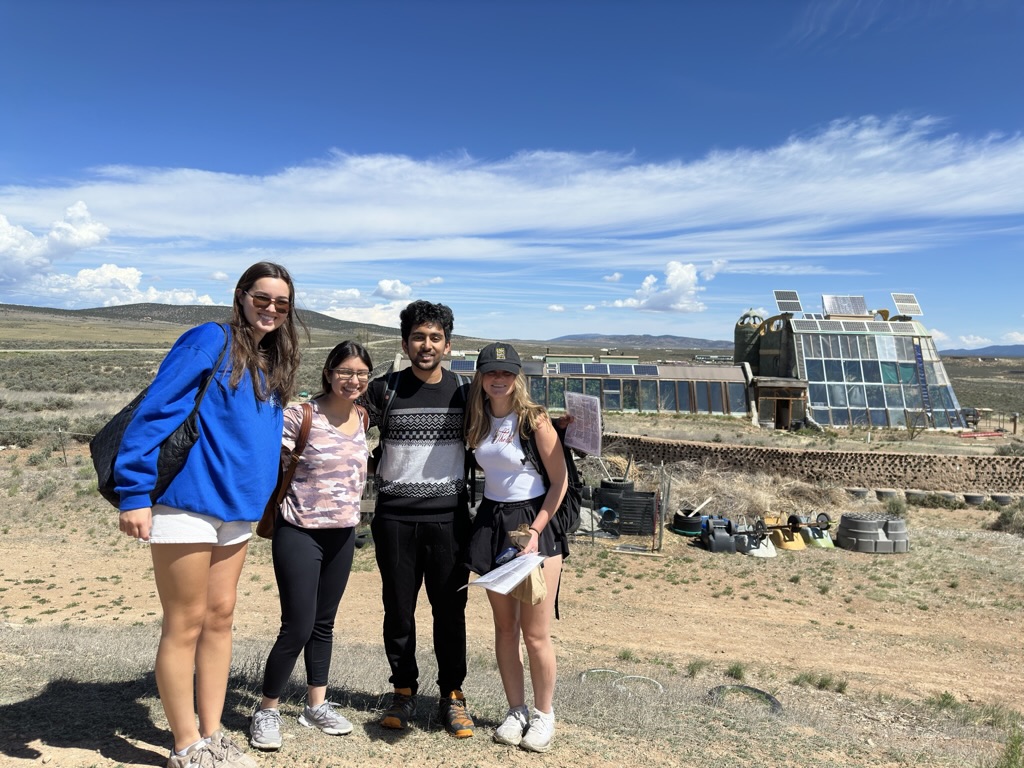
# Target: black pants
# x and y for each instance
(409, 555)
(312, 568)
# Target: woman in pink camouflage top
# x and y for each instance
(313, 544)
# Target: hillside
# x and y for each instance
(641, 341)
(194, 315)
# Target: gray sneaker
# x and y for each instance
(326, 719)
(511, 731)
(265, 729)
(197, 756)
(227, 753)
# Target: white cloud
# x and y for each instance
(375, 314)
(938, 336)
(110, 285)
(678, 295)
(844, 200)
(24, 255)
(556, 308)
(1013, 337)
(589, 308)
(974, 341)
(392, 289)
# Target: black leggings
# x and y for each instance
(312, 566)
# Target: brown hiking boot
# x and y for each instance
(403, 706)
(452, 711)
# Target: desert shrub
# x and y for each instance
(896, 507)
(1013, 448)
(83, 429)
(58, 403)
(1010, 519)
(1013, 751)
(25, 432)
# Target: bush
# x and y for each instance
(1013, 448)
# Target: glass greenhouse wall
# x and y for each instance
(874, 373)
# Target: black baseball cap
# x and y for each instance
(498, 356)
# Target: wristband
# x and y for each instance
(535, 531)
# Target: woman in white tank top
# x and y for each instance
(499, 411)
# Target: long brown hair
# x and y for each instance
(478, 425)
(276, 356)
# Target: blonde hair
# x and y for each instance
(478, 424)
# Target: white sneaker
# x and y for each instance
(511, 731)
(540, 734)
(326, 719)
(265, 729)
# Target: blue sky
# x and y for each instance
(544, 168)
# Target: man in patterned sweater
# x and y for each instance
(421, 518)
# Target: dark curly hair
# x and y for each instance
(420, 312)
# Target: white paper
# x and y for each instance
(584, 431)
(507, 577)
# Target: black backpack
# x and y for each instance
(567, 516)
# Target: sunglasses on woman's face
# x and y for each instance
(262, 301)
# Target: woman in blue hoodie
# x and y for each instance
(199, 527)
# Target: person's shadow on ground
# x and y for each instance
(101, 717)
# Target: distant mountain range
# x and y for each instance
(189, 315)
(194, 315)
(997, 350)
(641, 341)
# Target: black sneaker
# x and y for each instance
(403, 706)
(452, 711)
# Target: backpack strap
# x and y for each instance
(293, 457)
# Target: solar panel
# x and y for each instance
(464, 365)
(571, 368)
(855, 326)
(788, 301)
(813, 316)
(906, 304)
(904, 328)
(645, 370)
(804, 326)
(596, 369)
(618, 369)
(844, 305)
(831, 326)
(877, 326)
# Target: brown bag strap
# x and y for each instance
(300, 446)
(364, 415)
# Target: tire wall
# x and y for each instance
(927, 472)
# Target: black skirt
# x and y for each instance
(489, 535)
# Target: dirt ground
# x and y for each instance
(951, 628)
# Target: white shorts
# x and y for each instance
(178, 526)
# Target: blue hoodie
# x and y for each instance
(232, 469)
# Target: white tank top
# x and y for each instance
(508, 476)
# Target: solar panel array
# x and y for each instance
(466, 366)
(645, 370)
(596, 369)
(618, 369)
(571, 368)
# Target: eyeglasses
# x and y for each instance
(262, 301)
(348, 373)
